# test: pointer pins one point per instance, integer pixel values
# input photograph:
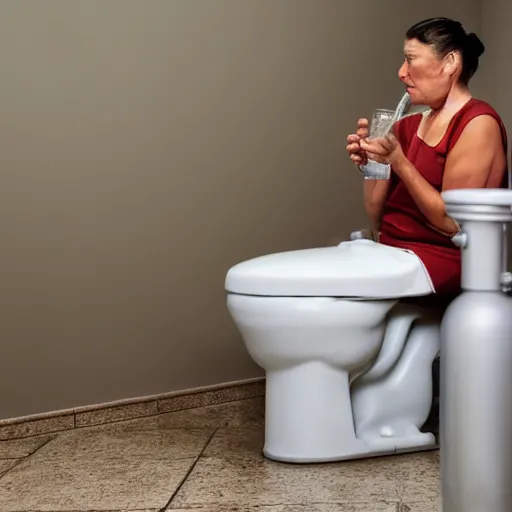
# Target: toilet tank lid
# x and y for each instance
(359, 268)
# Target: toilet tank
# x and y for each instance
(358, 269)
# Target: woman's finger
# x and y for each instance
(354, 148)
(372, 146)
(363, 126)
(362, 132)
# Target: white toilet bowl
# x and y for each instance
(346, 364)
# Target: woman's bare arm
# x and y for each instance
(468, 165)
(375, 193)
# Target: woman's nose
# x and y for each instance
(403, 71)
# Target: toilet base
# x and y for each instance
(309, 419)
(291, 459)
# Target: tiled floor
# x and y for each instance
(202, 460)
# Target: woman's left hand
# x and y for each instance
(384, 149)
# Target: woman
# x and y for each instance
(460, 142)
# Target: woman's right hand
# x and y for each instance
(357, 155)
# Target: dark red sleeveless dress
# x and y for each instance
(403, 224)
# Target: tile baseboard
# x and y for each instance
(119, 410)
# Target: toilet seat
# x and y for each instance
(356, 269)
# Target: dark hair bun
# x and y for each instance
(475, 46)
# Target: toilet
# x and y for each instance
(348, 364)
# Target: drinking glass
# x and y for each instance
(382, 122)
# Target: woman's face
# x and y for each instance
(427, 77)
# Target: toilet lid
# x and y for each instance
(359, 268)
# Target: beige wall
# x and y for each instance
(496, 71)
(147, 146)
(496, 21)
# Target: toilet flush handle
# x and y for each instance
(460, 239)
(357, 235)
(363, 234)
(506, 282)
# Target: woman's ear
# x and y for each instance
(453, 63)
